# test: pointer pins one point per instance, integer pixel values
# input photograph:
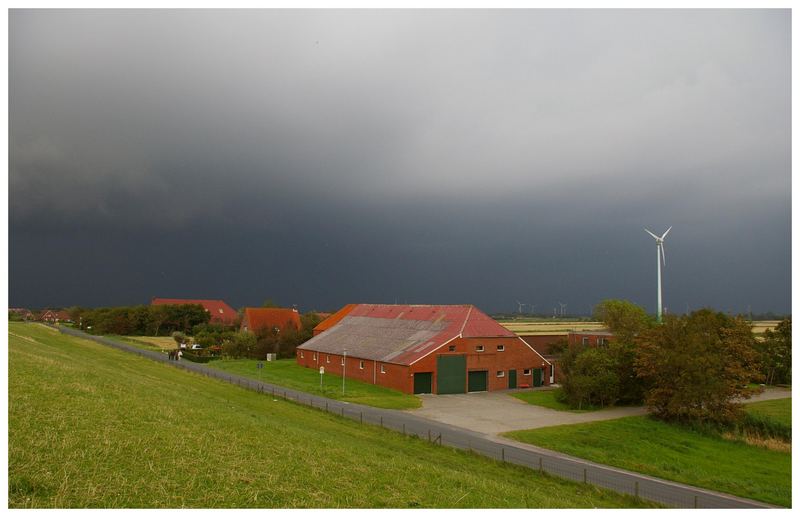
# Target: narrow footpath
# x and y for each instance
(661, 491)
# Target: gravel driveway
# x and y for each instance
(497, 412)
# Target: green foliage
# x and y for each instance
(768, 419)
(14, 316)
(179, 337)
(197, 358)
(92, 427)
(591, 378)
(697, 367)
(775, 353)
(673, 452)
(623, 318)
(143, 320)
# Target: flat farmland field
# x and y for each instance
(546, 327)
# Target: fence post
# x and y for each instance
(381, 420)
(404, 428)
(540, 465)
(584, 475)
(326, 406)
(503, 454)
(636, 490)
(361, 418)
(429, 435)
(342, 410)
(695, 501)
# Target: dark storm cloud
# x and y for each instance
(428, 156)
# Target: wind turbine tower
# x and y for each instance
(660, 256)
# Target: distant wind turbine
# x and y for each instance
(533, 308)
(521, 305)
(563, 308)
(660, 256)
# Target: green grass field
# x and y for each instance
(548, 399)
(94, 427)
(779, 410)
(645, 445)
(287, 372)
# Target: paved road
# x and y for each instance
(497, 412)
(658, 490)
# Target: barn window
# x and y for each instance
(526, 371)
(479, 348)
(601, 341)
(301, 354)
(383, 370)
(342, 360)
(361, 365)
(315, 356)
(452, 348)
(585, 341)
(501, 348)
(501, 373)
(327, 358)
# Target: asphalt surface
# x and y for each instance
(661, 491)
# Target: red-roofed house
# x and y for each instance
(257, 319)
(220, 312)
(51, 316)
(423, 349)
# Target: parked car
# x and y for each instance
(196, 347)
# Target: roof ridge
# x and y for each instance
(466, 319)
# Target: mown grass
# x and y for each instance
(643, 444)
(549, 399)
(91, 426)
(778, 410)
(286, 372)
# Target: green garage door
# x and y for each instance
(512, 379)
(451, 372)
(478, 380)
(537, 376)
(423, 382)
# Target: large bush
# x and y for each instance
(697, 367)
(591, 378)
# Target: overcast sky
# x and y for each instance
(321, 157)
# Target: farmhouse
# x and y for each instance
(51, 316)
(423, 349)
(256, 320)
(220, 312)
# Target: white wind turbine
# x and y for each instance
(660, 256)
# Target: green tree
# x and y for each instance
(624, 319)
(775, 353)
(591, 378)
(697, 367)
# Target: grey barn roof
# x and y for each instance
(374, 338)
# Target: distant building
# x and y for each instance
(423, 349)
(54, 316)
(221, 312)
(259, 319)
(25, 314)
(592, 338)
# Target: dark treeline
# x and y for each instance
(140, 320)
(270, 341)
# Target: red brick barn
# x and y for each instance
(220, 312)
(590, 338)
(51, 316)
(424, 349)
(546, 345)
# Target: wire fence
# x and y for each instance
(638, 486)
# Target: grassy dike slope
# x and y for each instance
(90, 426)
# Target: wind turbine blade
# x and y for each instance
(651, 233)
(663, 255)
(666, 232)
